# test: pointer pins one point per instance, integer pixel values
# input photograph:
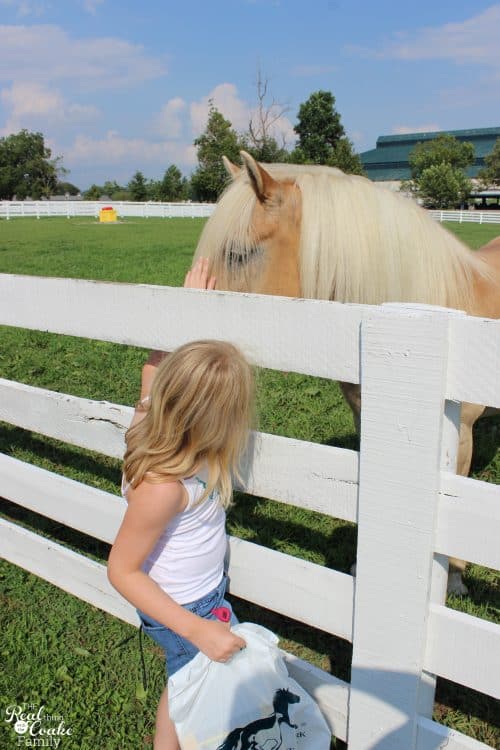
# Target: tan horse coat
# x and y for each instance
(311, 231)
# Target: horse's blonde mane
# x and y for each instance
(359, 241)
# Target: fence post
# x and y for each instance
(404, 353)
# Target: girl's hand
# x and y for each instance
(198, 278)
(217, 641)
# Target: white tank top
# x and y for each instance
(188, 559)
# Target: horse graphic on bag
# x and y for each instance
(263, 734)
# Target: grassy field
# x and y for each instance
(63, 653)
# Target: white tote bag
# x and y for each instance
(248, 702)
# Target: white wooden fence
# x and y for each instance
(70, 209)
(415, 365)
(476, 217)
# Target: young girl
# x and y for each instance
(168, 556)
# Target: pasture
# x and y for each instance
(69, 663)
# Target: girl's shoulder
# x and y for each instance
(170, 490)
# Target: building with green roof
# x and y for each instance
(389, 160)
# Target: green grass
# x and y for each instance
(56, 649)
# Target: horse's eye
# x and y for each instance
(237, 256)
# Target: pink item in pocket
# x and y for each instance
(222, 613)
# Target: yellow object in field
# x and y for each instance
(108, 214)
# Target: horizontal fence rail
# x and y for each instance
(314, 337)
(150, 210)
(409, 360)
(70, 209)
(475, 217)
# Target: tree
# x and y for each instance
(63, 188)
(442, 186)
(443, 149)
(173, 187)
(322, 139)
(437, 169)
(345, 158)
(319, 128)
(93, 193)
(218, 139)
(138, 187)
(259, 140)
(490, 174)
(26, 167)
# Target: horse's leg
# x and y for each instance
(352, 394)
(469, 415)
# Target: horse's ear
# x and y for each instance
(262, 182)
(232, 169)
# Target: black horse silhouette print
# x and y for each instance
(263, 734)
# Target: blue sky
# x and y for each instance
(121, 86)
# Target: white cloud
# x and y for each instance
(226, 100)
(239, 112)
(91, 5)
(46, 52)
(404, 129)
(169, 122)
(474, 41)
(26, 7)
(35, 105)
(115, 149)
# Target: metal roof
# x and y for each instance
(389, 160)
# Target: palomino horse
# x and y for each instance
(313, 231)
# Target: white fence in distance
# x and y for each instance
(71, 209)
(410, 507)
(463, 217)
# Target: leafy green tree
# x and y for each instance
(173, 187)
(445, 149)
(110, 187)
(437, 168)
(93, 193)
(322, 139)
(26, 167)
(490, 174)
(345, 158)
(218, 139)
(266, 150)
(443, 186)
(138, 187)
(63, 188)
(319, 129)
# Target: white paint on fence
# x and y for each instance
(314, 337)
(469, 217)
(150, 210)
(403, 388)
(70, 209)
(411, 509)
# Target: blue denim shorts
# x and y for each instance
(178, 650)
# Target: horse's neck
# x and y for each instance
(487, 290)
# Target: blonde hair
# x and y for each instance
(200, 412)
(359, 242)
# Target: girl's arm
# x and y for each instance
(151, 507)
(196, 278)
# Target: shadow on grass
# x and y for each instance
(15, 442)
(486, 435)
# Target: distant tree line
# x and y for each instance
(28, 169)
